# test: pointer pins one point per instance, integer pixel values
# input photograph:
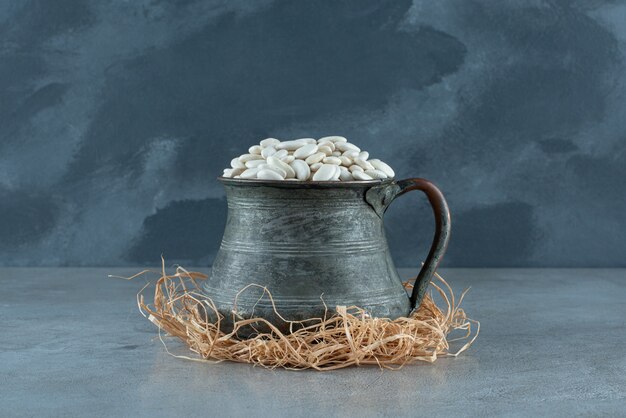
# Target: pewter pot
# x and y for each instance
(315, 245)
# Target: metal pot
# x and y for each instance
(315, 245)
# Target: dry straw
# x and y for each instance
(345, 337)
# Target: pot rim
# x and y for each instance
(305, 184)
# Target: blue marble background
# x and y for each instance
(116, 117)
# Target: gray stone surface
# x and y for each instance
(117, 116)
(552, 343)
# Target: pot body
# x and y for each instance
(313, 246)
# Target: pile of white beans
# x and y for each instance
(331, 158)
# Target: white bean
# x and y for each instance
(334, 138)
(331, 160)
(268, 175)
(344, 174)
(280, 154)
(336, 174)
(268, 151)
(354, 168)
(364, 164)
(382, 166)
(345, 161)
(336, 154)
(255, 149)
(305, 151)
(316, 166)
(307, 140)
(351, 154)
(346, 146)
(247, 157)
(359, 175)
(291, 145)
(269, 141)
(302, 169)
(325, 172)
(235, 163)
(250, 173)
(328, 144)
(315, 158)
(326, 150)
(364, 155)
(254, 163)
(279, 170)
(376, 174)
(278, 163)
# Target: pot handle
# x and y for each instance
(440, 240)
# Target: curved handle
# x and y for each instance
(440, 240)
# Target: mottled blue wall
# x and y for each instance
(116, 117)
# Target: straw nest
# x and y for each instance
(346, 336)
